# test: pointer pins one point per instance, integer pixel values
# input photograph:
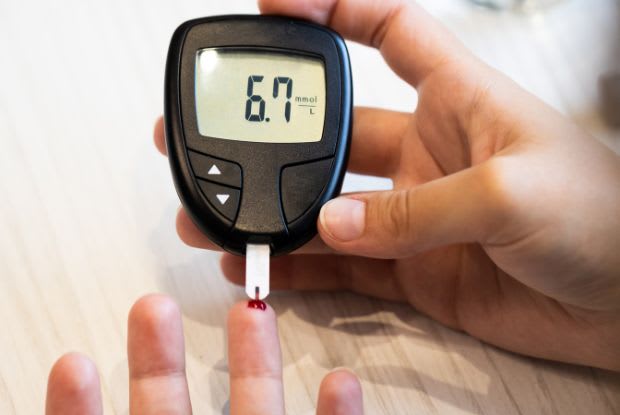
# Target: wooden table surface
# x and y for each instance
(87, 212)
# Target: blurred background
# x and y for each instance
(87, 209)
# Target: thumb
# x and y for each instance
(463, 207)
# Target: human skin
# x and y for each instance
(157, 380)
(504, 221)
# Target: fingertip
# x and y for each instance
(254, 361)
(155, 336)
(249, 326)
(152, 309)
(233, 268)
(74, 372)
(73, 386)
(340, 393)
(344, 380)
(159, 136)
(156, 357)
(186, 229)
(243, 318)
(342, 219)
(315, 10)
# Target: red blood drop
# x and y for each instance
(257, 304)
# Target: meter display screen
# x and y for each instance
(259, 96)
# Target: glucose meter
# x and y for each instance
(258, 123)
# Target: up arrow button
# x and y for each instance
(214, 171)
(218, 171)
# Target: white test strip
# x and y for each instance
(257, 271)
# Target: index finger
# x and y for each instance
(412, 42)
(254, 361)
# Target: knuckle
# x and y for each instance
(394, 218)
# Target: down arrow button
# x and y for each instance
(223, 198)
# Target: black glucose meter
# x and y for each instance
(258, 123)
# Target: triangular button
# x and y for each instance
(222, 198)
(214, 170)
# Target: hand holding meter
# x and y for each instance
(258, 122)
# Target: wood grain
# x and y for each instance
(87, 216)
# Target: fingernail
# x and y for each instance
(344, 218)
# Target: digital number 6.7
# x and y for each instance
(252, 98)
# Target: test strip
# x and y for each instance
(257, 271)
